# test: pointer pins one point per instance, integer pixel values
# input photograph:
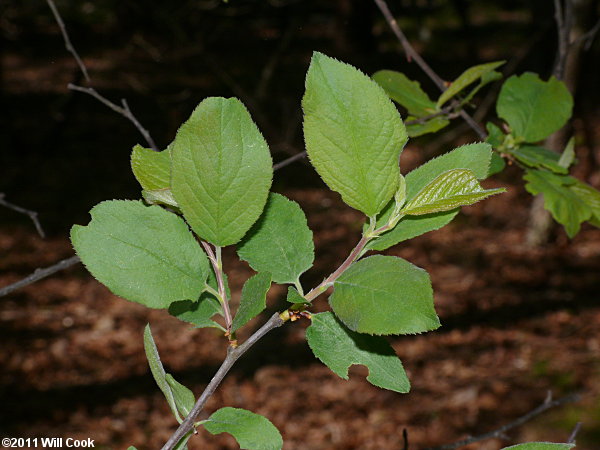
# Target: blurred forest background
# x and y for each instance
(516, 321)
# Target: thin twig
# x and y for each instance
(39, 274)
(33, 215)
(233, 354)
(68, 44)
(588, 37)
(499, 432)
(289, 160)
(215, 261)
(563, 21)
(405, 438)
(124, 110)
(412, 54)
(573, 435)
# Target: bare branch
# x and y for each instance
(588, 37)
(124, 110)
(412, 54)
(564, 19)
(288, 161)
(33, 215)
(233, 354)
(39, 274)
(68, 44)
(573, 435)
(500, 432)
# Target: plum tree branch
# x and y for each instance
(500, 432)
(123, 110)
(39, 274)
(412, 54)
(233, 354)
(33, 215)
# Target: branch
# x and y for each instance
(233, 354)
(68, 44)
(500, 432)
(39, 274)
(573, 435)
(412, 54)
(218, 269)
(563, 20)
(124, 110)
(33, 215)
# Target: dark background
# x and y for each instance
(516, 321)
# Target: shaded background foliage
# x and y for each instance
(62, 152)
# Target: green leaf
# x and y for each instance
(339, 348)
(452, 189)
(475, 157)
(564, 204)
(405, 92)
(280, 242)
(534, 156)
(141, 253)
(469, 76)
(385, 295)
(221, 170)
(151, 169)
(353, 133)
(591, 197)
(198, 313)
(253, 301)
(410, 227)
(540, 446)
(184, 398)
(158, 372)
(568, 155)
(182, 444)
(131, 447)
(533, 108)
(160, 197)
(497, 164)
(495, 135)
(250, 430)
(431, 126)
(293, 296)
(486, 79)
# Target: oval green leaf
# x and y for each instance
(151, 169)
(540, 446)
(250, 430)
(405, 92)
(468, 77)
(253, 301)
(353, 133)
(339, 348)
(475, 157)
(385, 295)
(452, 189)
(534, 109)
(221, 170)
(280, 242)
(141, 253)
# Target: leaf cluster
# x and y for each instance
(210, 188)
